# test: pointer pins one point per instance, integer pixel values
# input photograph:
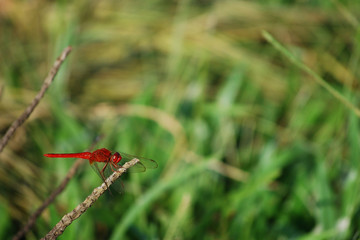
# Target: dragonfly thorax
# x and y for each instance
(116, 157)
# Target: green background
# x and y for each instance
(249, 144)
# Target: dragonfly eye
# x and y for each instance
(116, 158)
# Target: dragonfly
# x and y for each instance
(114, 160)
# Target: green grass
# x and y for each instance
(250, 109)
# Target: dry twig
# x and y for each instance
(32, 219)
(49, 79)
(1, 91)
(82, 207)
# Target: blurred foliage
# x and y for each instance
(248, 145)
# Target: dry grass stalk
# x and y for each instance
(48, 80)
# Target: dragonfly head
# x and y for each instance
(116, 158)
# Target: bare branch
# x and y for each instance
(49, 79)
(82, 207)
(1, 91)
(49, 200)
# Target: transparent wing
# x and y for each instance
(145, 162)
(97, 167)
(109, 169)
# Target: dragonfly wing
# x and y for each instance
(117, 185)
(97, 169)
(145, 162)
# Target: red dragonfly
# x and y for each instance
(114, 160)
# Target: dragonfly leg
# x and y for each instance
(116, 167)
(113, 166)
(102, 170)
(103, 177)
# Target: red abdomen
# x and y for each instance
(84, 155)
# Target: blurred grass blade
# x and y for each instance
(150, 196)
(4, 220)
(305, 68)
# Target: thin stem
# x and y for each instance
(316, 77)
(32, 219)
(48, 80)
(1, 91)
